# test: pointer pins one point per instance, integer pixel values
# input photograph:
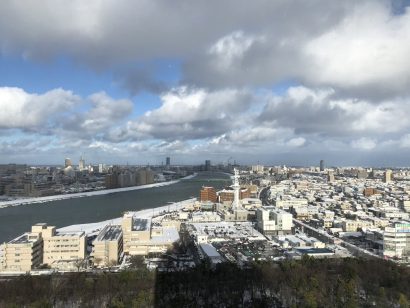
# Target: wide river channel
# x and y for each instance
(19, 219)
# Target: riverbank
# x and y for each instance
(25, 201)
(90, 228)
(15, 220)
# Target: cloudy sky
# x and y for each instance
(269, 81)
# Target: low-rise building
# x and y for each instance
(396, 240)
(141, 238)
(273, 221)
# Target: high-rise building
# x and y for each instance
(387, 176)
(81, 164)
(330, 177)
(322, 165)
(236, 188)
(168, 161)
(207, 165)
(67, 162)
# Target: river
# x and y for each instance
(19, 219)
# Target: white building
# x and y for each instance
(273, 221)
(108, 246)
(396, 241)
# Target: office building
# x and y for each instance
(273, 221)
(81, 164)
(140, 238)
(387, 176)
(322, 165)
(207, 165)
(24, 253)
(396, 240)
(168, 161)
(60, 247)
(208, 194)
(136, 233)
(258, 169)
(108, 246)
(330, 177)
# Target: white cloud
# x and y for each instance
(188, 114)
(20, 109)
(364, 144)
(370, 46)
(230, 49)
(105, 112)
(296, 142)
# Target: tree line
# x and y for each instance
(309, 282)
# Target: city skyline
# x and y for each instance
(275, 82)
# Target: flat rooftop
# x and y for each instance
(110, 233)
(210, 250)
(22, 239)
(70, 233)
(224, 230)
(313, 251)
(141, 224)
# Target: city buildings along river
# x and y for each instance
(15, 220)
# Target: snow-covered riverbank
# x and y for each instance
(93, 228)
(22, 201)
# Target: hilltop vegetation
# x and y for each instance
(306, 283)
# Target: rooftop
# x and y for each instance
(141, 224)
(110, 233)
(70, 233)
(23, 239)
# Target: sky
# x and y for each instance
(265, 81)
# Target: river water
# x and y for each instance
(19, 219)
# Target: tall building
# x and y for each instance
(67, 162)
(387, 176)
(236, 188)
(330, 177)
(168, 161)
(81, 164)
(207, 165)
(322, 165)
(208, 194)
